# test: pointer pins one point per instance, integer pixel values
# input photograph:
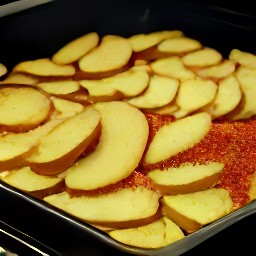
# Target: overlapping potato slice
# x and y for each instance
(127, 207)
(141, 42)
(246, 59)
(23, 108)
(3, 69)
(187, 178)
(179, 45)
(44, 67)
(60, 148)
(76, 49)
(124, 85)
(178, 136)
(192, 211)
(228, 97)
(154, 235)
(36, 185)
(160, 92)
(113, 53)
(66, 108)
(123, 140)
(15, 147)
(16, 78)
(193, 95)
(202, 58)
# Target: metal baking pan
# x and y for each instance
(27, 224)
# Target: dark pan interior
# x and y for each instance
(40, 31)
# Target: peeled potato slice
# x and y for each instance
(3, 69)
(123, 140)
(172, 67)
(113, 53)
(187, 178)
(202, 58)
(178, 136)
(36, 185)
(141, 42)
(23, 108)
(61, 147)
(16, 78)
(154, 235)
(161, 91)
(15, 147)
(76, 49)
(194, 210)
(243, 58)
(179, 45)
(128, 207)
(44, 67)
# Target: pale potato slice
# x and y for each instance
(123, 140)
(228, 97)
(219, 71)
(128, 207)
(186, 178)
(66, 108)
(3, 69)
(194, 94)
(30, 182)
(247, 80)
(113, 53)
(16, 78)
(129, 83)
(192, 211)
(166, 109)
(246, 59)
(141, 42)
(178, 136)
(76, 49)
(60, 148)
(44, 67)
(59, 87)
(23, 108)
(161, 91)
(154, 235)
(202, 58)
(172, 67)
(179, 45)
(15, 147)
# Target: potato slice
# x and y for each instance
(44, 67)
(202, 58)
(219, 71)
(141, 42)
(161, 91)
(61, 147)
(3, 69)
(187, 178)
(172, 67)
(23, 108)
(66, 108)
(16, 78)
(36, 185)
(178, 136)
(15, 147)
(192, 211)
(194, 94)
(113, 53)
(129, 84)
(247, 80)
(243, 58)
(154, 235)
(228, 97)
(179, 45)
(76, 49)
(123, 140)
(128, 207)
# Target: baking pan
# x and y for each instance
(39, 32)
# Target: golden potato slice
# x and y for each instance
(3, 69)
(246, 59)
(16, 78)
(76, 49)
